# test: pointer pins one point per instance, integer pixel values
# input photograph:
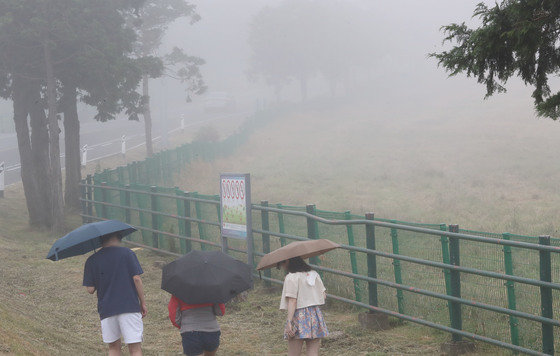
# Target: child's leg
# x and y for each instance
(294, 347)
(135, 349)
(115, 348)
(312, 347)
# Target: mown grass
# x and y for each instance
(44, 310)
(434, 171)
(491, 171)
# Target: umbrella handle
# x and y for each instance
(56, 254)
(260, 276)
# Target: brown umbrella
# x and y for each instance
(303, 249)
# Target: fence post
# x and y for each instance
(397, 268)
(159, 167)
(188, 231)
(223, 239)
(265, 225)
(445, 259)
(104, 197)
(89, 181)
(457, 345)
(107, 175)
(181, 214)
(142, 171)
(546, 297)
(312, 232)
(455, 281)
(154, 208)
(219, 210)
(83, 202)
(147, 165)
(353, 261)
(371, 261)
(127, 204)
(120, 174)
(201, 230)
(134, 170)
(372, 319)
(281, 227)
(510, 286)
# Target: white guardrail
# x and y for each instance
(123, 139)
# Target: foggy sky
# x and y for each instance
(402, 31)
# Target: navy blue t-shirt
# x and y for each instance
(110, 271)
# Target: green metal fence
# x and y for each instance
(495, 288)
(492, 287)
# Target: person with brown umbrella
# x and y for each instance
(302, 295)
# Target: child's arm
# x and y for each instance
(174, 312)
(140, 290)
(219, 309)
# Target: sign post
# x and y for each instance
(235, 209)
(123, 145)
(84, 155)
(2, 170)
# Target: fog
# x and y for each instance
(393, 70)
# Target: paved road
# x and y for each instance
(104, 139)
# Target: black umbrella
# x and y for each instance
(206, 277)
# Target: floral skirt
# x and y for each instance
(309, 323)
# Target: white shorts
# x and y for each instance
(127, 325)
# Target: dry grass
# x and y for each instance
(436, 170)
(45, 311)
(489, 171)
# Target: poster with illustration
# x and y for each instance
(235, 205)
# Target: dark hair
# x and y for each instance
(108, 237)
(297, 264)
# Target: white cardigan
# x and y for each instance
(306, 287)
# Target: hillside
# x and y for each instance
(491, 169)
(46, 311)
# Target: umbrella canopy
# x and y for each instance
(206, 277)
(87, 238)
(303, 249)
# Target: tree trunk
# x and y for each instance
(147, 115)
(30, 189)
(71, 148)
(57, 204)
(40, 148)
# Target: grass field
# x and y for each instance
(491, 170)
(493, 175)
(45, 311)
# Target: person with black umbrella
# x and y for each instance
(199, 283)
(200, 331)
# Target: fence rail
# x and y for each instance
(384, 269)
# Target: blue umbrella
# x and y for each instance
(87, 238)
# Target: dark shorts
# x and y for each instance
(196, 342)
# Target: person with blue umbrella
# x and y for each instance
(114, 273)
